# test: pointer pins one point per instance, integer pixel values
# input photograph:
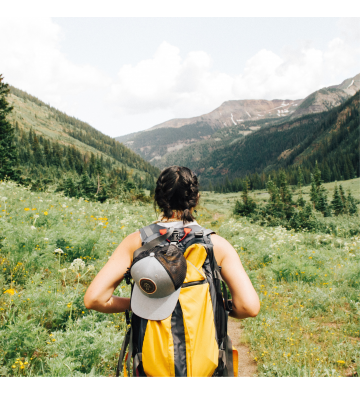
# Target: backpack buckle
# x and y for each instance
(199, 234)
(175, 237)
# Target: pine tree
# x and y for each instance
(69, 187)
(351, 204)
(336, 203)
(313, 191)
(301, 201)
(247, 206)
(342, 195)
(8, 150)
(326, 173)
(322, 204)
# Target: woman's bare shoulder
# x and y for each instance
(222, 247)
(131, 242)
(219, 241)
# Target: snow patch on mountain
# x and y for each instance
(352, 82)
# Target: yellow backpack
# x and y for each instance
(193, 341)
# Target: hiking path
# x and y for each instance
(247, 366)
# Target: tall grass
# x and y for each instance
(309, 285)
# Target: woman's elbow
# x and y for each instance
(253, 311)
(90, 302)
(247, 311)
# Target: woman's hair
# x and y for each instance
(177, 189)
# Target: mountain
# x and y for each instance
(181, 141)
(330, 137)
(77, 139)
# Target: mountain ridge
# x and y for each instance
(159, 143)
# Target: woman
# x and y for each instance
(177, 195)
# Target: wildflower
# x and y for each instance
(340, 361)
(26, 209)
(77, 264)
(10, 291)
(45, 213)
(63, 270)
(46, 239)
(33, 209)
(58, 251)
(91, 267)
(32, 227)
(4, 198)
(36, 216)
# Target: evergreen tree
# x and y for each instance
(322, 204)
(301, 201)
(313, 191)
(342, 195)
(8, 150)
(336, 203)
(247, 206)
(351, 204)
(326, 173)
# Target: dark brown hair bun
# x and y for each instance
(177, 188)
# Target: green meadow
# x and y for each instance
(51, 247)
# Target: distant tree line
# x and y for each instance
(281, 208)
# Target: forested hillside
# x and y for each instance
(330, 138)
(55, 148)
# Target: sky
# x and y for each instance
(123, 75)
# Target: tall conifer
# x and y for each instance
(8, 150)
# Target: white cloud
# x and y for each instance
(31, 60)
(189, 86)
(167, 84)
(167, 81)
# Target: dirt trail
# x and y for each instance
(247, 366)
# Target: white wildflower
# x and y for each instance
(59, 251)
(32, 227)
(4, 198)
(100, 224)
(64, 205)
(91, 267)
(63, 270)
(77, 264)
(46, 239)
(36, 216)
(40, 201)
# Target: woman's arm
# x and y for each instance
(99, 296)
(245, 300)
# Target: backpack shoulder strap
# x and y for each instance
(148, 232)
(198, 234)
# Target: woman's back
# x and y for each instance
(180, 313)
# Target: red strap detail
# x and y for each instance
(186, 231)
(162, 231)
